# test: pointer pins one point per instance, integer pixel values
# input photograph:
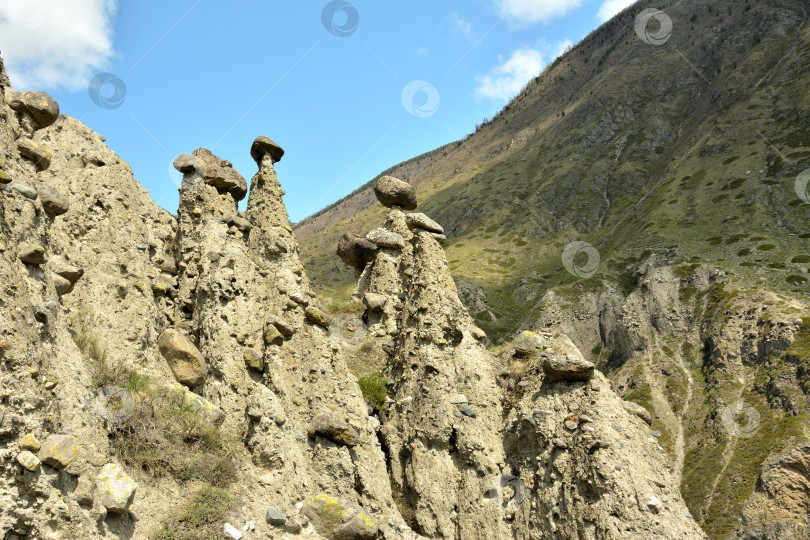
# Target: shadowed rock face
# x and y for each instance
(355, 250)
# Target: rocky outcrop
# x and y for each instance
(73, 366)
(554, 451)
(221, 174)
(780, 508)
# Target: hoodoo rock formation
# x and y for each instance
(557, 456)
(269, 427)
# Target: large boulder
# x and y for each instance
(562, 361)
(283, 326)
(34, 152)
(334, 430)
(272, 335)
(62, 285)
(53, 202)
(241, 223)
(114, 488)
(385, 238)
(356, 251)
(68, 271)
(42, 108)
(32, 254)
(222, 175)
(418, 220)
(374, 301)
(254, 359)
(262, 146)
(392, 191)
(185, 360)
(527, 343)
(58, 451)
(339, 520)
(317, 316)
(571, 367)
(192, 165)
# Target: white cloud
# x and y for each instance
(459, 25)
(55, 43)
(524, 12)
(611, 8)
(510, 77)
(563, 47)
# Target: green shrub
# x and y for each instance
(686, 294)
(165, 435)
(796, 280)
(736, 238)
(103, 370)
(685, 270)
(737, 183)
(801, 259)
(766, 247)
(202, 519)
(338, 306)
(373, 386)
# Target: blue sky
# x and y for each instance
(347, 88)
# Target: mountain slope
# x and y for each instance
(624, 144)
(681, 165)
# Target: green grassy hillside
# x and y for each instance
(692, 147)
